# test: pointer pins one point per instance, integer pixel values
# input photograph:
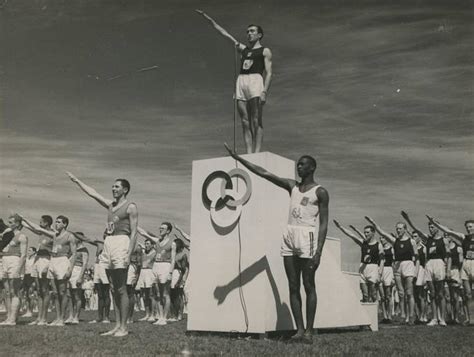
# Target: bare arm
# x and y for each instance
(286, 184)
(220, 29)
(173, 259)
(35, 228)
(422, 235)
(348, 233)
(133, 217)
(72, 259)
(380, 231)
(186, 238)
(382, 259)
(89, 191)
(85, 259)
(457, 235)
(323, 203)
(23, 251)
(145, 234)
(359, 233)
(267, 57)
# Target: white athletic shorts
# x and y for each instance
(436, 270)
(2, 272)
(146, 278)
(76, 272)
(132, 276)
(175, 278)
(421, 277)
(467, 271)
(404, 268)
(40, 268)
(11, 264)
(387, 276)
(455, 278)
(58, 267)
(100, 276)
(115, 253)
(29, 267)
(249, 86)
(161, 271)
(369, 273)
(298, 241)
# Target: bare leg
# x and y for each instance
(365, 292)
(256, 125)
(242, 109)
(311, 296)
(401, 295)
(408, 281)
(293, 273)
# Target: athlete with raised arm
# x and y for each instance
(438, 269)
(119, 244)
(405, 269)
(308, 214)
(467, 272)
(371, 260)
(253, 82)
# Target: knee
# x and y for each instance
(294, 287)
(245, 122)
(401, 293)
(309, 286)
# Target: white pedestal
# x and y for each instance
(237, 280)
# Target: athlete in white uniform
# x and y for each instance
(41, 266)
(308, 214)
(77, 278)
(14, 258)
(28, 286)
(467, 271)
(251, 87)
(122, 222)
(147, 279)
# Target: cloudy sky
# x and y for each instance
(379, 92)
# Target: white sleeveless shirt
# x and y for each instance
(304, 208)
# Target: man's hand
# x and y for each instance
(315, 261)
(68, 274)
(370, 220)
(229, 150)
(430, 218)
(170, 275)
(72, 177)
(338, 225)
(79, 281)
(263, 97)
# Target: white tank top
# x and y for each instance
(304, 208)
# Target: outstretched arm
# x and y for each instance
(286, 184)
(35, 228)
(423, 236)
(89, 191)
(357, 231)
(186, 238)
(145, 234)
(348, 233)
(221, 30)
(457, 235)
(380, 231)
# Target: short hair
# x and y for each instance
(63, 219)
(48, 219)
(168, 225)
(259, 29)
(149, 241)
(468, 221)
(179, 245)
(33, 249)
(311, 159)
(125, 184)
(403, 224)
(17, 218)
(372, 228)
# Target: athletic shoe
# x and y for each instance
(69, 320)
(42, 323)
(442, 323)
(27, 314)
(151, 319)
(94, 321)
(433, 322)
(75, 321)
(144, 318)
(172, 319)
(10, 323)
(106, 321)
(33, 323)
(160, 322)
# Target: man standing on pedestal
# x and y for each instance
(309, 212)
(251, 87)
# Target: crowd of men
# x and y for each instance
(432, 272)
(57, 269)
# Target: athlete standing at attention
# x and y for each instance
(308, 214)
(119, 244)
(251, 87)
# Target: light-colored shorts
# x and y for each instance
(58, 267)
(40, 268)
(115, 253)
(436, 270)
(467, 271)
(100, 276)
(132, 276)
(146, 278)
(175, 278)
(298, 241)
(369, 273)
(455, 278)
(404, 268)
(11, 265)
(387, 276)
(29, 267)
(2, 272)
(249, 86)
(76, 273)
(161, 271)
(421, 277)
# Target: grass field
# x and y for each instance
(148, 340)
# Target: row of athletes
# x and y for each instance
(59, 264)
(414, 261)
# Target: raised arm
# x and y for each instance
(35, 228)
(186, 238)
(284, 183)
(89, 191)
(221, 30)
(357, 231)
(348, 233)
(145, 234)
(391, 239)
(267, 58)
(457, 235)
(423, 236)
